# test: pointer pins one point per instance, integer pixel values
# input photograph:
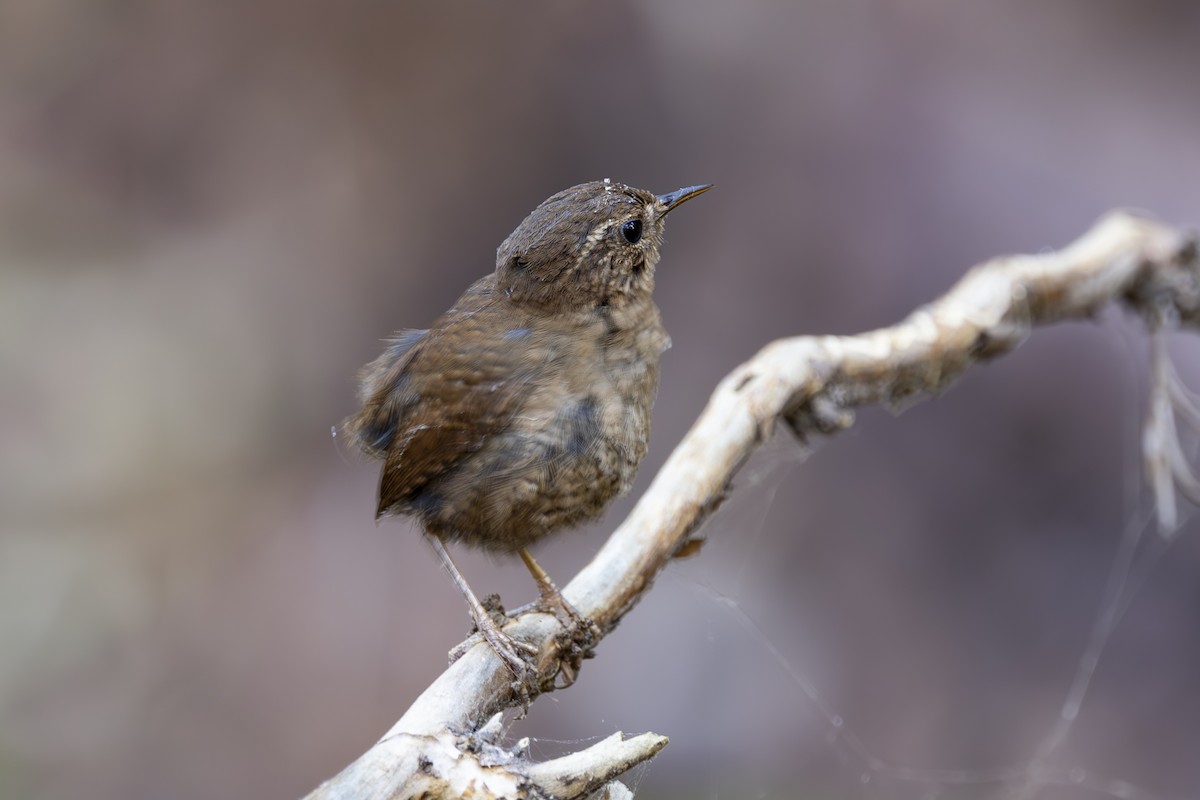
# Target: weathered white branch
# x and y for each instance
(812, 383)
(446, 765)
(579, 774)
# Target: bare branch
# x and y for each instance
(579, 774)
(813, 384)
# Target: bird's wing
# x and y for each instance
(372, 428)
(434, 397)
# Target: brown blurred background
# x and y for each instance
(211, 213)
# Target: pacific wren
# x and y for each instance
(525, 408)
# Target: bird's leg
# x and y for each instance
(551, 598)
(576, 643)
(504, 645)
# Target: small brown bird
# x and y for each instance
(525, 408)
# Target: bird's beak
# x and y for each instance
(680, 196)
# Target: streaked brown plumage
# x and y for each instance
(525, 408)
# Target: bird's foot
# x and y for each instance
(517, 656)
(579, 636)
(552, 601)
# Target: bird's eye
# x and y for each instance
(632, 231)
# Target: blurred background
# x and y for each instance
(211, 212)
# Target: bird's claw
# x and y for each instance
(518, 657)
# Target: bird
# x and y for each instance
(525, 408)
